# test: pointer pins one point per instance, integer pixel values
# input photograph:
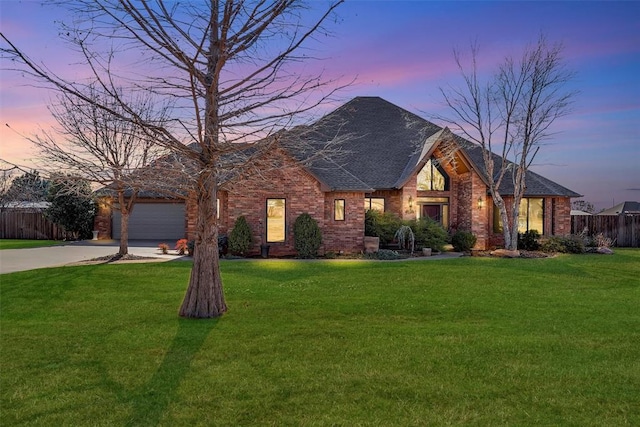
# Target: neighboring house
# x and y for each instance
(626, 208)
(390, 160)
(576, 212)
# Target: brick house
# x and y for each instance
(390, 160)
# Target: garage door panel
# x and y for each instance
(153, 221)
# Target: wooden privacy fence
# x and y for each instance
(624, 229)
(28, 224)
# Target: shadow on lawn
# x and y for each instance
(153, 398)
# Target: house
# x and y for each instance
(625, 208)
(390, 160)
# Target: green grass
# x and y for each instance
(23, 244)
(474, 341)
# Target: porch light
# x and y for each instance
(480, 202)
(410, 205)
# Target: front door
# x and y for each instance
(432, 211)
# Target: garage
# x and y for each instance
(153, 221)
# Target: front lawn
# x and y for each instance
(477, 341)
(23, 244)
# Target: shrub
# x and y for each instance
(223, 244)
(181, 246)
(429, 234)
(601, 241)
(528, 240)
(307, 236)
(72, 206)
(382, 225)
(164, 248)
(385, 254)
(552, 245)
(370, 223)
(240, 239)
(563, 244)
(463, 241)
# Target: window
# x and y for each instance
(373, 203)
(531, 216)
(338, 209)
(432, 178)
(276, 209)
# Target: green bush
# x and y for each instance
(307, 236)
(563, 244)
(72, 206)
(428, 234)
(240, 239)
(382, 225)
(463, 241)
(528, 240)
(385, 254)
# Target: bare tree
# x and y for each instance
(583, 205)
(94, 145)
(233, 69)
(28, 187)
(510, 117)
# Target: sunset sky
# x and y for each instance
(402, 52)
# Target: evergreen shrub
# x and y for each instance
(307, 236)
(429, 234)
(563, 244)
(463, 241)
(528, 240)
(382, 225)
(240, 238)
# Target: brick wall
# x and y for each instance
(102, 221)
(344, 236)
(302, 194)
(562, 216)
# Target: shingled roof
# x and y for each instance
(381, 144)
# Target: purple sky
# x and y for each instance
(402, 51)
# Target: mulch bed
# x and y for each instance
(118, 257)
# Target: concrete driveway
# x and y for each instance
(12, 260)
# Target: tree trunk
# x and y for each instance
(205, 297)
(124, 232)
(124, 224)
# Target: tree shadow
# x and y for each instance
(153, 398)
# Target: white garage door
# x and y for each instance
(153, 221)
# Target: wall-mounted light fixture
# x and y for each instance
(410, 205)
(480, 203)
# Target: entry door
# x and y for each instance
(432, 211)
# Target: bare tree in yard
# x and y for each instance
(512, 114)
(229, 68)
(95, 145)
(583, 205)
(28, 187)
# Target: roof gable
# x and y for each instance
(379, 140)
